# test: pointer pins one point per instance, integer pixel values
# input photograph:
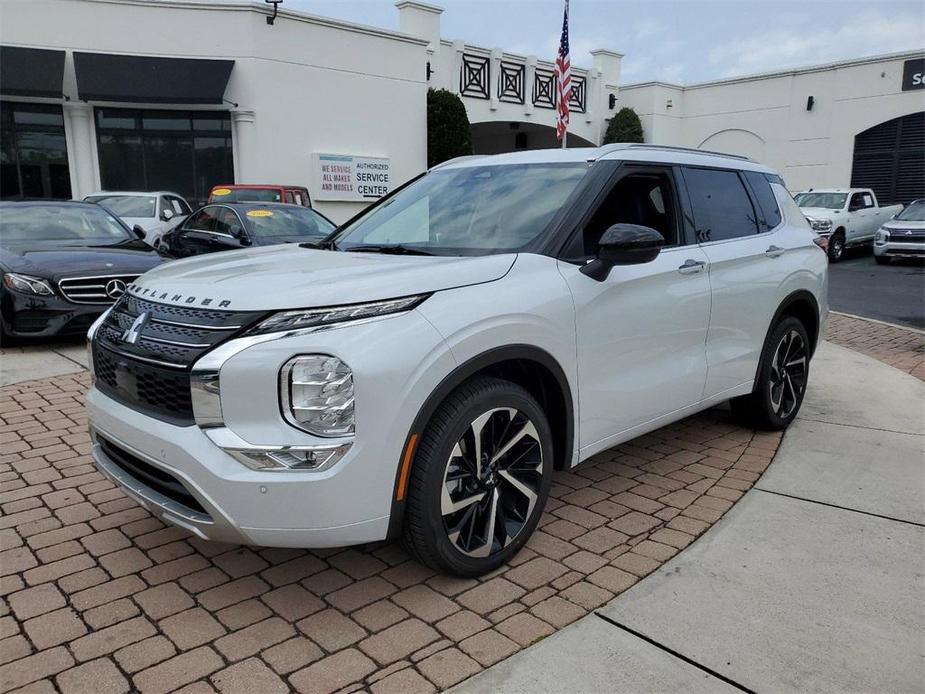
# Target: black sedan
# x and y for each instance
(236, 225)
(63, 264)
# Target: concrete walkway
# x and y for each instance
(26, 363)
(813, 581)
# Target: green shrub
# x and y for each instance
(624, 127)
(448, 133)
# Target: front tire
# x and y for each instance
(882, 259)
(836, 246)
(782, 377)
(480, 480)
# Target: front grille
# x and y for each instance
(95, 290)
(154, 477)
(907, 235)
(152, 374)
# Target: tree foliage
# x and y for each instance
(448, 133)
(624, 127)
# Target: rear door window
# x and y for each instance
(720, 203)
(769, 212)
(204, 220)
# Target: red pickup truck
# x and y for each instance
(249, 192)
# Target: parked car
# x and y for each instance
(156, 213)
(63, 264)
(238, 225)
(425, 371)
(903, 236)
(250, 192)
(846, 216)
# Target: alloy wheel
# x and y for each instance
(788, 374)
(838, 247)
(491, 482)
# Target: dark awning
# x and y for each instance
(31, 71)
(143, 79)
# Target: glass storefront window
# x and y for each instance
(183, 151)
(33, 152)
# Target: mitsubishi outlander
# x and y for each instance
(422, 371)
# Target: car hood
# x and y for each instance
(900, 224)
(819, 212)
(58, 261)
(288, 276)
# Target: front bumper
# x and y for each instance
(26, 315)
(894, 249)
(234, 504)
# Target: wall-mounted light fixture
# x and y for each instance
(809, 103)
(668, 103)
(275, 3)
(612, 101)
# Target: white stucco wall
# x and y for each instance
(765, 117)
(304, 85)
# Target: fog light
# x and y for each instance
(311, 459)
(316, 395)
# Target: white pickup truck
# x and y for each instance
(847, 216)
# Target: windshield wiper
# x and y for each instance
(397, 249)
(323, 244)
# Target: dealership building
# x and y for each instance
(185, 94)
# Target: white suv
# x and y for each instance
(424, 371)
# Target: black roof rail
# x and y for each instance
(668, 148)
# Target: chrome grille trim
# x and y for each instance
(91, 289)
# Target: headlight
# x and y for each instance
(314, 317)
(316, 395)
(27, 284)
(882, 237)
(820, 225)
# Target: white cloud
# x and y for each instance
(866, 33)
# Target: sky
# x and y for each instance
(680, 41)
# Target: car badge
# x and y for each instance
(115, 289)
(131, 335)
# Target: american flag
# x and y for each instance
(564, 80)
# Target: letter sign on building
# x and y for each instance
(914, 74)
(349, 178)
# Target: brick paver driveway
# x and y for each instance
(99, 596)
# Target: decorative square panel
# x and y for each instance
(577, 98)
(474, 76)
(544, 88)
(511, 84)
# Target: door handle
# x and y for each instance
(774, 251)
(691, 266)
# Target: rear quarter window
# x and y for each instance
(769, 213)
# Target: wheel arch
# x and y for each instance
(529, 366)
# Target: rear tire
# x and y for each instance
(480, 479)
(782, 377)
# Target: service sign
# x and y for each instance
(355, 179)
(914, 74)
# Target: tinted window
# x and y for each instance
(769, 216)
(127, 205)
(33, 152)
(178, 205)
(204, 220)
(286, 222)
(721, 206)
(226, 221)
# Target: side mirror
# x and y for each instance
(167, 215)
(624, 244)
(238, 233)
(139, 232)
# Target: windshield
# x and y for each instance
(246, 195)
(914, 213)
(281, 221)
(127, 205)
(467, 211)
(831, 201)
(68, 223)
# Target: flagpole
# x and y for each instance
(564, 138)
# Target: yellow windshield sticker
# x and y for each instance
(221, 191)
(259, 213)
